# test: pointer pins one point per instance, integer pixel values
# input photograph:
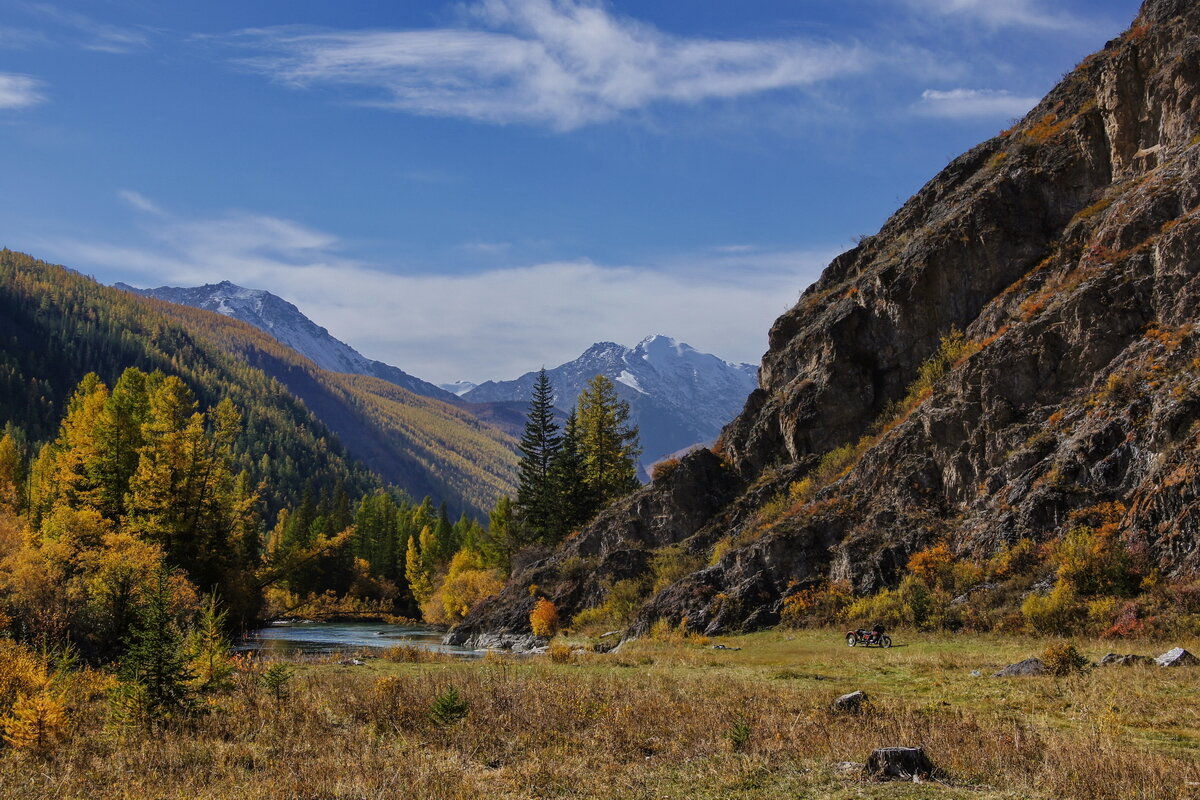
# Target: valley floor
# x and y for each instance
(659, 719)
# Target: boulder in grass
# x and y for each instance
(1022, 669)
(906, 763)
(1177, 658)
(1128, 660)
(852, 703)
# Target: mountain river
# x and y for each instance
(305, 637)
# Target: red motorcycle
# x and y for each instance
(866, 638)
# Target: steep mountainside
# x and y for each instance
(56, 326)
(305, 425)
(287, 324)
(1066, 252)
(422, 445)
(677, 395)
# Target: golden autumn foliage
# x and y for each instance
(37, 723)
(466, 583)
(932, 565)
(22, 672)
(822, 604)
(10, 473)
(543, 620)
(663, 469)
(1094, 561)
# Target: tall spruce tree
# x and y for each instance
(575, 502)
(155, 660)
(608, 442)
(500, 541)
(536, 500)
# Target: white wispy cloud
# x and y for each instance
(970, 103)
(487, 248)
(20, 91)
(140, 202)
(21, 38)
(561, 63)
(1003, 13)
(101, 36)
(491, 324)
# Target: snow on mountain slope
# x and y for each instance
(287, 324)
(458, 388)
(677, 395)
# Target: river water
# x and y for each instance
(344, 637)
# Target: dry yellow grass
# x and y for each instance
(656, 720)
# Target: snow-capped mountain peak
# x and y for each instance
(678, 396)
(288, 324)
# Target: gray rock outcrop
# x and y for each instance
(1127, 660)
(1023, 669)
(1177, 657)
(851, 703)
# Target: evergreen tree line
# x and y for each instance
(568, 473)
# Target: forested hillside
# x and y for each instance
(56, 326)
(59, 325)
(420, 444)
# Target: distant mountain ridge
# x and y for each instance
(677, 395)
(285, 322)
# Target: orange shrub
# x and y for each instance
(1046, 128)
(37, 723)
(1018, 558)
(1062, 658)
(22, 672)
(663, 469)
(933, 564)
(1096, 562)
(1128, 623)
(543, 620)
(1099, 514)
(822, 604)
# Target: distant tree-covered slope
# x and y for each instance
(286, 323)
(58, 325)
(418, 443)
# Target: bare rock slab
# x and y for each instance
(1178, 657)
(851, 703)
(904, 763)
(1023, 669)
(1127, 660)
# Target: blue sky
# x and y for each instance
(469, 190)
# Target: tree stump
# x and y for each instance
(905, 763)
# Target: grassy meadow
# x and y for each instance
(662, 718)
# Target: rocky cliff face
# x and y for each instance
(1067, 253)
